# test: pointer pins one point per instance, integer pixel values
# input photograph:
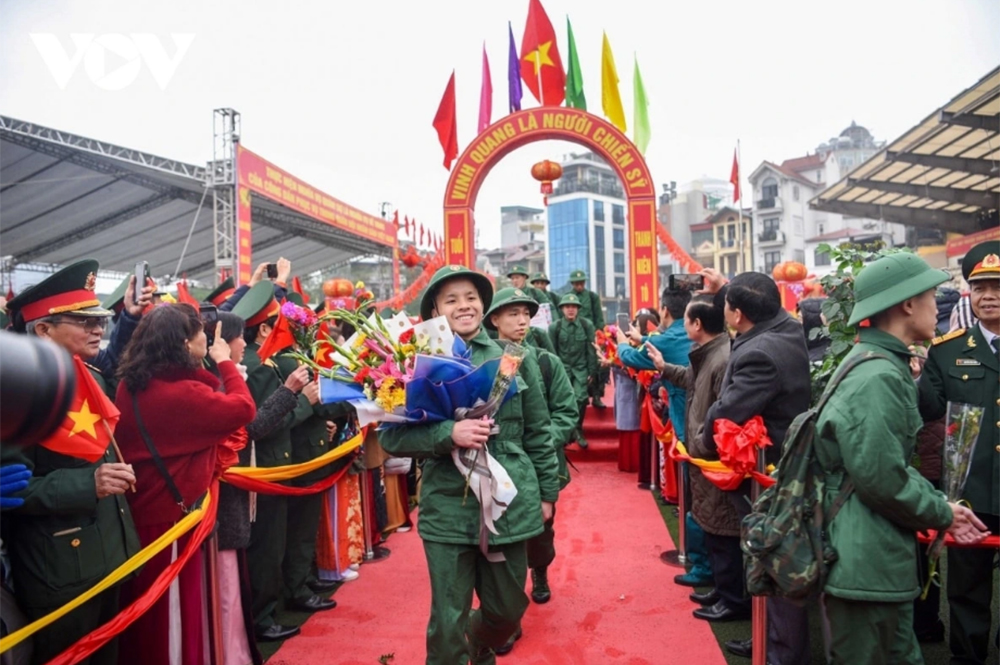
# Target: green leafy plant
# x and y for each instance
(849, 259)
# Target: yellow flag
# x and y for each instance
(610, 99)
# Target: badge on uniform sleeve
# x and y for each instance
(967, 362)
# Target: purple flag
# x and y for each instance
(513, 75)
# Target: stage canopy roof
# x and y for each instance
(942, 174)
(65, 197)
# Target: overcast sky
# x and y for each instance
(343, 94)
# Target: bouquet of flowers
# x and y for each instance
(606, 342)
(303, 323)
(962, 425)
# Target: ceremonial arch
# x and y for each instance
(566, 124)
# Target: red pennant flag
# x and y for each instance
(86, 432)
(395, 219)
(734, 178)
(281, 337)
(421, 235)
(446, 124)
(406, 223)
(297, 288)
(541, 67)
(184, 296)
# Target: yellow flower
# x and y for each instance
(390, 395)
(359, 285)
(409, 350)
(360, 341)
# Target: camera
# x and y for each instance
(37, 384)
(272, 271)
(686, 282)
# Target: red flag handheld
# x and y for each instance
(184, 295)
(297, 288)
(541, 67)
(87, 430)
(281, 337)
(446, 124)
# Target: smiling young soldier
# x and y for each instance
(510, 315)
(962, 366)
(449, 525)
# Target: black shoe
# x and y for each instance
(509, 644)
(540, 592)
(276, 633)
(598, 404)
(742, 648)
(931, 634)
(710, 597)
(721, 612)
(315, 604)
(324, 586)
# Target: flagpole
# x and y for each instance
(739, 172)
(118, 451)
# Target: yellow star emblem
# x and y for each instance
(84, 420)
(540, 56)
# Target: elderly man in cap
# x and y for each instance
(74, 526)
(962, 367)
(590, 308)
(866, 436)
(541, 283)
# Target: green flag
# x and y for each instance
(641, 124)
(574, 79)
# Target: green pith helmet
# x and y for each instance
(69, 291)
(509, 296)
(517, 270)
(446, 273)
(982, 262)
(116, 301)
(258, 304)
(540, 277)
(569, 299)
(577, 276)
(889, 281)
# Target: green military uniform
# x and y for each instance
(592, 310)
(63, 540)
(573, 342)
(268, 534)
(551, 296)
(867, 433)
(539, 338)
(450, 523)
(536, 294)
(962, 367)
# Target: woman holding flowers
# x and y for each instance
(449, 524)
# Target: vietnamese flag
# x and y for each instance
(281, 337)
(86, 432)
(297, 288)
(446, 123)
(184, 296)
(541, 66)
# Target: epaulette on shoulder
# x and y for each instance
(958, 332)
(270, 363)
(93, 369)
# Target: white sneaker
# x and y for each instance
(354, 566)
(349, 575)
(403, 529)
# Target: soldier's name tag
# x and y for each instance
(967, 362)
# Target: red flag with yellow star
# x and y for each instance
(92, 417)
(541, 66)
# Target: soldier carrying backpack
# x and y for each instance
(843, 515)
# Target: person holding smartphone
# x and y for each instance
(282, 271)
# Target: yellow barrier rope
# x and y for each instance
(276, 473)
(133, 564)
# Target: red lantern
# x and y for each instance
(410, 258)
(338, 288)
(545, 172)
(795, 271)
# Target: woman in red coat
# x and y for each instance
(187, 415)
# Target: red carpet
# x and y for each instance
(613, 601)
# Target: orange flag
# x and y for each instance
(281, 337)
(86, 431)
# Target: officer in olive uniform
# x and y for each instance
(541, 282)
(573, 339)
(591, 310)
(563, 411)
(309, 441)
(449, 525)
(962, 367)
(268, 534)
(75, 526)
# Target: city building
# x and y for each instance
(586, 230)
(521, 225)
(785, 228)
(731, 241)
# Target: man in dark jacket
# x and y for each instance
(767, 376)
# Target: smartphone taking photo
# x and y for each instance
(686, 282)
(272, 271)
(622, 321)
(209, 315)
(141, 280)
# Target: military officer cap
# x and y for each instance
(296, 298)
(891, 280)
(540, 277)
(321, 306)
(517, 270)
(578, 276)
(116, 301)
(222, 292)
(69, 291)
(509, 296)
(258, 304)
(982, 262)
(569, 299)
(447, 273)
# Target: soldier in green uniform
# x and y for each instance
(541, 282)
(510, 315)
(74, 527)
(573, 339)
(962, 367)
(268, 534)
(309, 441)
(449, 523)
(591, 310)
